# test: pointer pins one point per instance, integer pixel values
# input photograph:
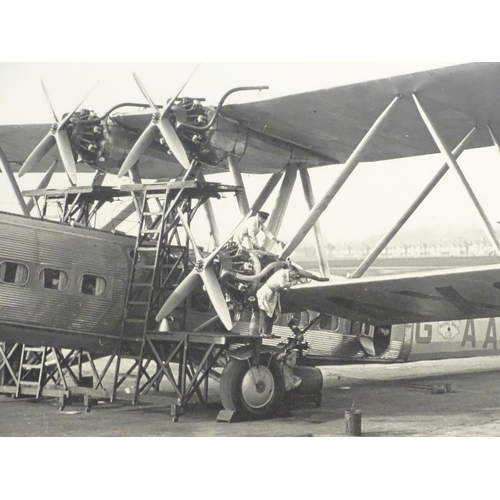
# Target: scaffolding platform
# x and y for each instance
(186, 359)
(155, 272)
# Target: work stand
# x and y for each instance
(161, 260)
(186, 360)
(30, 371)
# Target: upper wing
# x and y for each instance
(327, 123)
(406, 298)
(332, 122)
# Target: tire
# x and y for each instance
(254, 390)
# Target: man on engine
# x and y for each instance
(247, 238)
(268, 297)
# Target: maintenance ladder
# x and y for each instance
(32, 362)
(160, 263)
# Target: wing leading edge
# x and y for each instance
(418, 297)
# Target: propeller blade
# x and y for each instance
(185, 224)
(216, 296)
(184, 288)
(208, 260)
(145, 93)
(50, 102)
(173, 142)
(67, 118)
(44, 146)
(143, 143)
(172, 101)
(66, 153)
(53, 137)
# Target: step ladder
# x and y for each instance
(32, 361)
(153, 272)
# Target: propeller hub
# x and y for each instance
(199, 266)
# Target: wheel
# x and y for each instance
(88, 409)
(255, 390)
(175, 419)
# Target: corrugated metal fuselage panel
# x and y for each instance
(33, 314)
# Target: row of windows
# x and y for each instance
(52, 279)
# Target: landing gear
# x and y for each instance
(253, 388)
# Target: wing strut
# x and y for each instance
(377, 250)
(451, 161)
(43, 183)
(9, 174)
(349, 167)
(241, 196)
(281, 203)
(324, 267)
(209, 212)
(493, 138)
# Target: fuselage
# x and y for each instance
(47, 272)
(66, 286)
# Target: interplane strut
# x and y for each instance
(349, 167)
(382, 244)
(451, 161)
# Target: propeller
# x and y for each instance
(159, 122)
(57, 135)
(204, 271)
(193, 278)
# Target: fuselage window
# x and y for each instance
(92, 285)
(325, 323)
(355, 328)
(13, 272)
(328, 323)
(53, 279)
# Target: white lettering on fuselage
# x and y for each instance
(469, 334)
(481, 333)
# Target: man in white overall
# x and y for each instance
(247, 238)
(268, 297)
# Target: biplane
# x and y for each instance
(159, 297)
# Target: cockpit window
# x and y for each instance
(53, 279)
(92, 285)
(13, 272)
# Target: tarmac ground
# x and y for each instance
(429, 398)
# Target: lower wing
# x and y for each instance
(405, 298)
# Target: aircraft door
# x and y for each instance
(374, 340)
